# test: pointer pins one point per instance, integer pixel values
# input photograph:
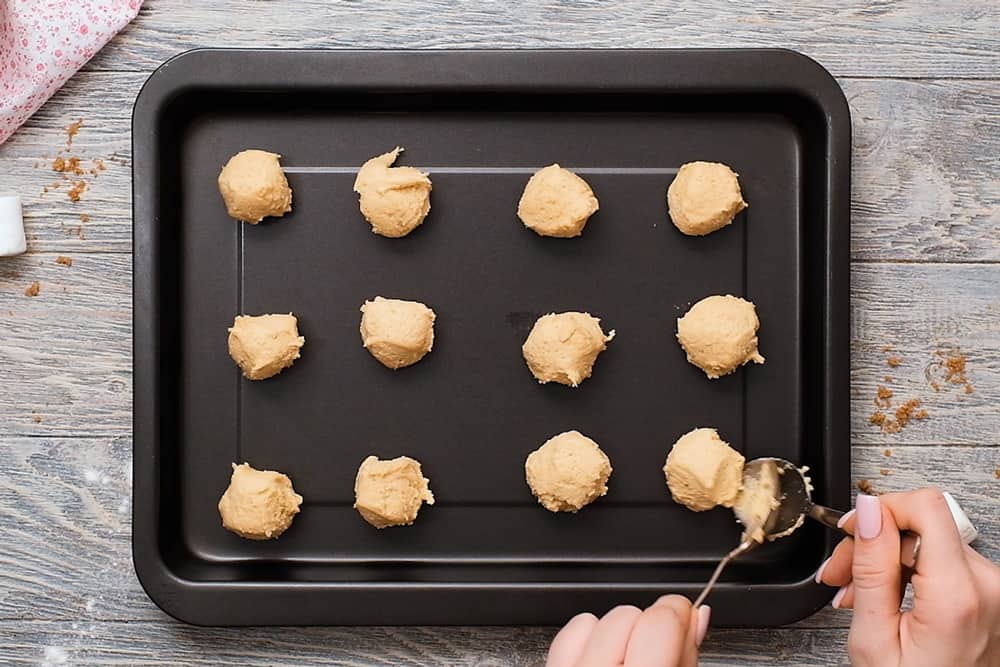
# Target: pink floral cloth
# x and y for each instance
(44, 42)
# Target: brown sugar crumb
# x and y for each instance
(71, 131)
(887, 348)
(887, 378)
(883, 397)
(950, 368)
(65, 261)
(84, 217)
(884, 472)
(865, 486)
(996, 472)
(37, 418)
(33, 289)
(894, 362)
(77, 189)
(887, 452)
(908, 411)
(68, 166)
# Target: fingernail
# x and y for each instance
(835, 603)
(869, 523)
(704, 615)
(844, 519)
(819, 572)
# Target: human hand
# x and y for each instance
(667, 634)
(955, 619)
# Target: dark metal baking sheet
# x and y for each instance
(481, 122)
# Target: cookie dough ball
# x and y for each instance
(556, 202)
(258, 504)
(397, 333)
(563, 347)
(254, 187)
(394, 200)
(264, 345)
(704, 197)
(568, 472)
(719, 334)
(390, 493)
(703, 471)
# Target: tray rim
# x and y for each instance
(577, 70)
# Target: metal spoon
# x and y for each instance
(790, 504)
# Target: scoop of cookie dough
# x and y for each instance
(719, 334)
(390, 493)
(704, 197)
(703, 471)
(398, 333)
(258, 504)
(394, 200)
(568, 472)
(556, 202)
(264, 345)
(563, 347)
(254, 187)
(756, 501)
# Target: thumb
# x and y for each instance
(876, 572)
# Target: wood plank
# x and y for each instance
(925, 159)
(65, 354)
(852, 38)
(920, 311)
(67, 528)
(139, 644)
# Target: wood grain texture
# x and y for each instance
(926, 155)
(101, 645)
(919, 311)
(66, 354)
(66, 553)
(852, 38)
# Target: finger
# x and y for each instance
(609, 640)
(659, 636)
(926, 513)
(876, 576)
(567, 647)
(836, 571)
(844, 599)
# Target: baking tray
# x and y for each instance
(480, 122)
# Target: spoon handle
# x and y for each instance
(827, 516)
(744, 546)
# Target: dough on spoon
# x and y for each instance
(253, 186)
(258, 504)
(390, 493)
(703, 471)
(563, 347)
(394, 200)
(556, 202)
(568, 472)
(704, 197)
(719, 334)
(398, 333)
(756, 500)
(264, 345)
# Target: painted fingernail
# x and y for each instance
(704, 616)
(844, 519)
(819, 572)
(839, 597)
(869, 523)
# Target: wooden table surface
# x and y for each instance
(923, 81)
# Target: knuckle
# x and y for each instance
(930, 497)
(858, 648)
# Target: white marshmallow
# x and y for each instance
(12, 240)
